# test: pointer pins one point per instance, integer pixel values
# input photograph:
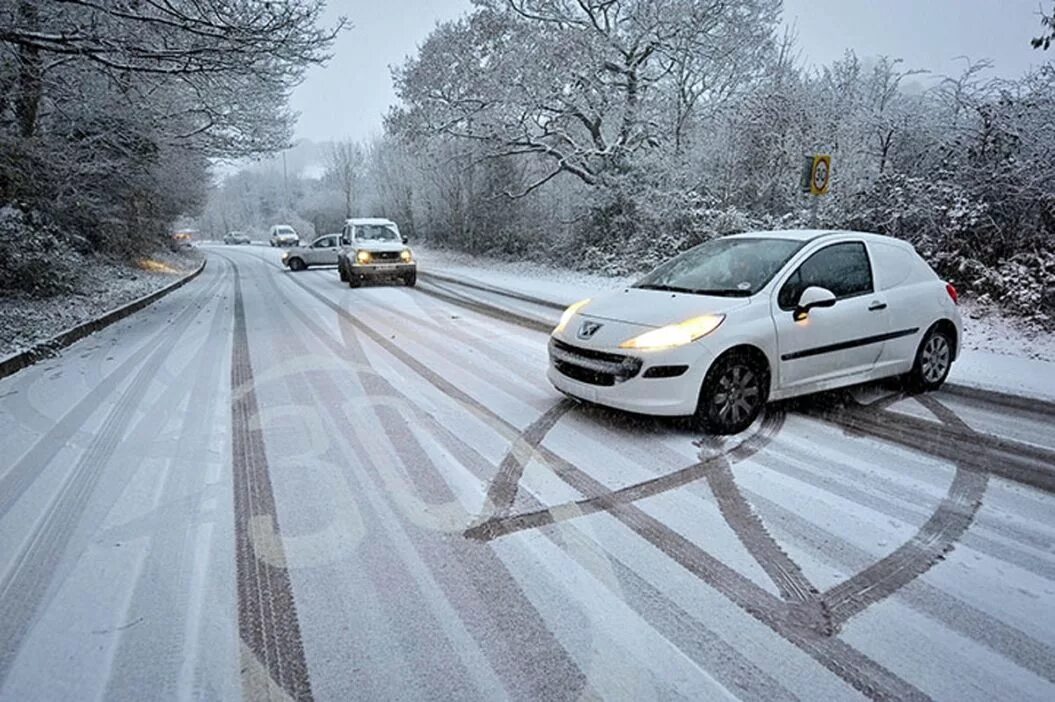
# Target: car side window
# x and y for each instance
(842, 268)
(346, 236)
(325, 243)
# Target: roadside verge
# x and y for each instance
(48, 348)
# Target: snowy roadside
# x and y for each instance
(1000, 353)
(101, 287)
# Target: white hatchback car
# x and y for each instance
(720, 329)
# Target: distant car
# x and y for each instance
(374, 249)
(321, 252)
(236, 238)
(182, 239)
(737, 321)
(283, 235)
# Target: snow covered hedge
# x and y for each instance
(35, 257)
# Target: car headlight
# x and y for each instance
(674, 335)
(569, 313)
(363, 257)
(285, 255)
(405, 256)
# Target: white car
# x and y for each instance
(373, 249)
(283, 235)
(321, 252)
(721, 329)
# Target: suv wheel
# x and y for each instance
(297, 264)
(732, 395)
(410, 279)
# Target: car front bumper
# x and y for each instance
(383, 270)
(645, 391)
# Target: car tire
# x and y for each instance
(354, 281)
(410, 279)
(341, 274)
(733, 394)
(296, 264)
(933, 361)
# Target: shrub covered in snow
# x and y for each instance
(35, 257)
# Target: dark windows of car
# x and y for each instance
(730, 267)
(842, 268)
(326, 242)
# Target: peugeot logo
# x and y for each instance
(588, 329)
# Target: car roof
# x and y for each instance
(362, 221)
(812, 234)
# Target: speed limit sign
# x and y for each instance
(819, 170)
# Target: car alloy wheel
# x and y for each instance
(933, 361)
(936, 355)
(733, 395)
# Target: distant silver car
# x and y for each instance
(284, 235)
(374, 249)
(236, 238)
(321, 252)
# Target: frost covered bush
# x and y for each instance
(34, 256)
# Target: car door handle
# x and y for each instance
(876, 306)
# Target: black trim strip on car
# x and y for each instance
(843, 345)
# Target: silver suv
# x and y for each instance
(321, 252)
(374, 249)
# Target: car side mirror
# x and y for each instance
(811, 297)
(405, 239)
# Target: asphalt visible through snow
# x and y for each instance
(269, 486)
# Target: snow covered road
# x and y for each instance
(270, 486)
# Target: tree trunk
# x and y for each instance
(27, 104)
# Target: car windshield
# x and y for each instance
(729, 267)
(376, 232)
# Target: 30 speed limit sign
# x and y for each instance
(817, 174)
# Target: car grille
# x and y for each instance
(386, 257)
(592, 367)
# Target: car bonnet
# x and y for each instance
(657, 308)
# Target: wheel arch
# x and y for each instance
(753, 352)
(945, 325)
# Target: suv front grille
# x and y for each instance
(386, 257)
(592, 367)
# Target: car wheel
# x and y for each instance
(933, 361)
(296, 264)
(341, 273)
(354, 281)
(732, 395)
(410, 279)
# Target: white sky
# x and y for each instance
(348, 97)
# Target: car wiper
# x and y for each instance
(664, 288)
(723, 292)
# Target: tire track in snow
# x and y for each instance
(471, 579)
(267, 614)
(26, 469)
(796, 625)
(29, 579)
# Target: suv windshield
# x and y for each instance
(376, 232)
(731, 266)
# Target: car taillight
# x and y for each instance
(952, 293)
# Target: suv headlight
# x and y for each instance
(406, 256)
(363, 257)
(674, 335)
